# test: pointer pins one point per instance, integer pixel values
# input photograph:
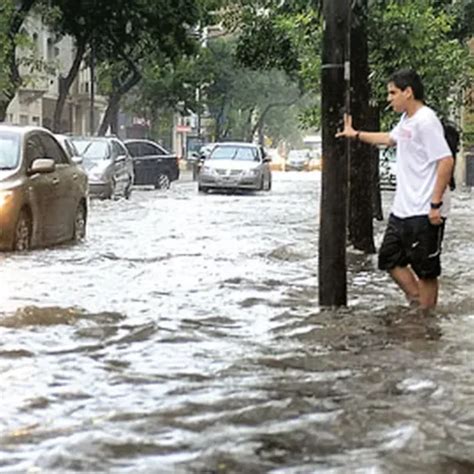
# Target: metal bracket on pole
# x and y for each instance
(332, 66)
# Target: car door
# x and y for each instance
(42, 192)
(65, 189)
(152, 162)
(167, 161)
(119, 156)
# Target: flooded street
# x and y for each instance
(184, 335)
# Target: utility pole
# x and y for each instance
(92, 90)
(333, 216)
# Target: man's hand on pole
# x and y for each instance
(348, 130)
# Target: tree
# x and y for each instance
(12, 16)
(156, 33)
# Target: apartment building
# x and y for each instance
(35, 102)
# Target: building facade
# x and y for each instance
(35, 102)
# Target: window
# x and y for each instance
(53, 150)
(230, 152)
(9, 150)
(119, 149)
(134, 149)
(92, 150)
(34, 149)
(23, 119)
(150, 150)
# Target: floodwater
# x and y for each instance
(184, 336)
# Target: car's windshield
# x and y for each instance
(92, 149)
(234, 153)
(9, 150)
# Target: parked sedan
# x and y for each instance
(43, 194)
(236, 166)
(152, 164)
(108, 165)
(69, 147)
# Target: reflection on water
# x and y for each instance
(184, 336)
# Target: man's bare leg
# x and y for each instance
(428, 293)
(408, 282)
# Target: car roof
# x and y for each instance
(240, 144)
(93, 138)
(21, 129)
(141, 140)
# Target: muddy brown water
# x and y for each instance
(184, 335)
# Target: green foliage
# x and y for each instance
(414, 34)
(6, 11)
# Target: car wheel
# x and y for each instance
(203, 189)
(262, 184)
(22, 237)
(269, 184)
(162, 181)
(128, 190)
(80, 223)
(113, 186)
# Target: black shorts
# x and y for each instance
(412, 241)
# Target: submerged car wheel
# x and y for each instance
(113, 186)
(162, 181)
(268, 187)
(128, 190)
(22, 237)
(80, 223)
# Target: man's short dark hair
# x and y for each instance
(404, 78)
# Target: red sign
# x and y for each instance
(183, 128)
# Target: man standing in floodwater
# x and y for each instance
(411, 246)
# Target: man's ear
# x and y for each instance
(409, 92)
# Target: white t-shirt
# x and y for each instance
(420, 144)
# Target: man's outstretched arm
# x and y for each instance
(373, 138)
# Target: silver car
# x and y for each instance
(108, 165)
(236, 165)
(387, 169)
(43, 194)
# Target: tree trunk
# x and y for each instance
(4, 103)
(65, 84)
(333, 221)
(113, 106)
(110, 114)
(360, 191)
(248, 125)
(6, 96)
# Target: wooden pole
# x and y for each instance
(333, 215)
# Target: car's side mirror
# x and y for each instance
(267, 159)
(120, 158)
(78, 160)
(42, 166)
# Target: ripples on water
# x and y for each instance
(184, 336)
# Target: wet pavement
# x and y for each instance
(184, 335)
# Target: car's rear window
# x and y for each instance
(92, 149)
(234, 153)
(9, 150)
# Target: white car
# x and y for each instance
(236, 165)
(387, 168)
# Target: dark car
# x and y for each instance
(43, 194)
(153, 165)
(108, 165)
